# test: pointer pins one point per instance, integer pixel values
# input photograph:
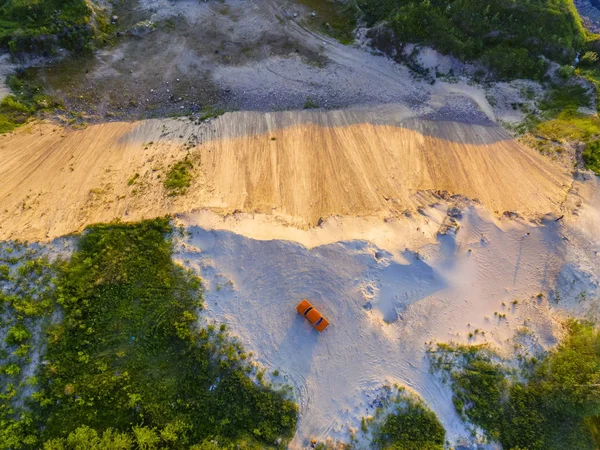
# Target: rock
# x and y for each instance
(454, 212)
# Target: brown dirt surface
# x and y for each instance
(303, 165)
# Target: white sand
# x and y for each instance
(431, 292)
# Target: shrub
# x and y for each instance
(550, 407)
(589, 59)
(129, 356)
(309, 103)
(498, 31)
(179, 177)
(412, 426)
(17, 334)
(591, 156)
(43, 26)
(565, 72)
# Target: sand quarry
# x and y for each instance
(403, 212)
(402, 231)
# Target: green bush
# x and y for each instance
(42, 26)
(565, 72)
(179, 177)
(548, 407)
(589, 59)
(498, 31)
(129, 354)
(591, 156)
(412, 426)
(17, 334)
(27, 100)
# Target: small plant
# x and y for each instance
(133, 179)
(17, 335)
(565, 72)
(589, 59)
(179, 177)
(210, 112)
(275, 373)
(310, 104)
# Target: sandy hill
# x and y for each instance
(303, 165)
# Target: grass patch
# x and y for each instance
(179, 177)
(26, 101)
(509, 36)
(548, 405)
(333, 18)
(210, 112)
(130, 366)
(566, 97)
(570, 126)
(560, 122)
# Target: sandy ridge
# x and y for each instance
(305, 166)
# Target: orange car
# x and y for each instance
(313, 316)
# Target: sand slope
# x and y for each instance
(302, 165)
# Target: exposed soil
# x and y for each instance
(303, 165)
(176, 58)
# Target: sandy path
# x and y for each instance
(301, 165)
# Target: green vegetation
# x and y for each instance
(27, 100)
(510, 36)
(402, 421)
(179, 177)
(335, 18)
(591, 156)
(133, 179)
(210, 112)
(560, 122)
(43, 26)
(27, 282)
(128, 366)
(412, 426)
(553, 403)
(309, 103)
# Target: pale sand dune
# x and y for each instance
(302, 165)
(384, 305)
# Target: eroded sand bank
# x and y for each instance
(301, 166)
